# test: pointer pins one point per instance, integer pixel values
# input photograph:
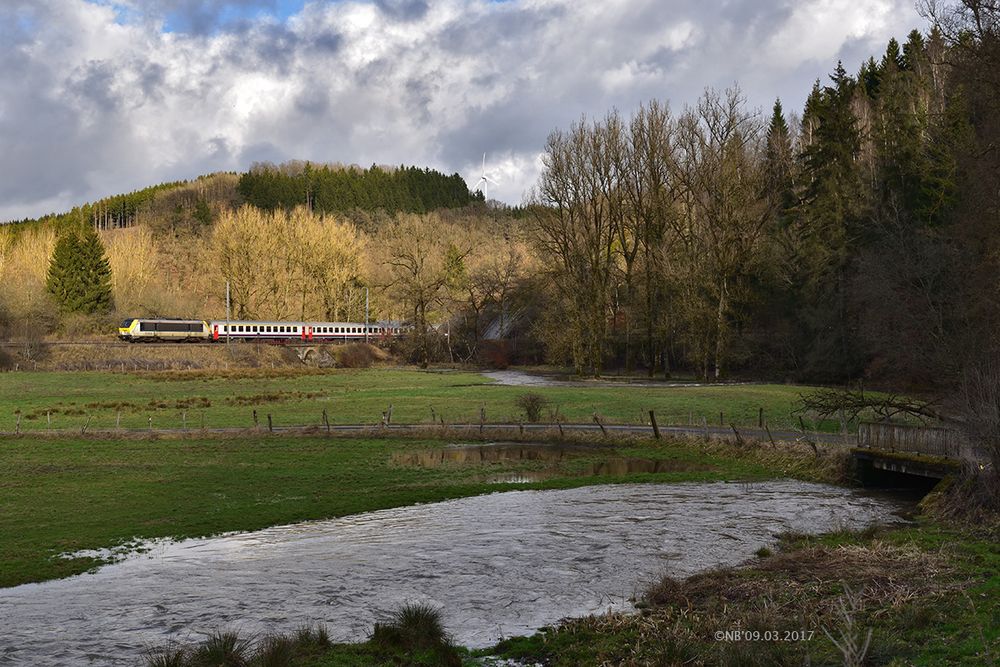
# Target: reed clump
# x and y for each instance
(235, 649)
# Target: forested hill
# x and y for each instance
(325, 188)
(332, 189)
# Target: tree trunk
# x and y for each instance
(720, 330)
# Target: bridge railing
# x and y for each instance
(927, 440)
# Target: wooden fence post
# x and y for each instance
(270, 426)
(760, 418)
(256, 425)
(118, 421)
(326, 421)
(739, 438)
(17, 427)
(656, 429)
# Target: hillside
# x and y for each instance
(325, 187)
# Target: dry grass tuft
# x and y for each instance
(886, 576)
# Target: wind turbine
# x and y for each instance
(484, 182)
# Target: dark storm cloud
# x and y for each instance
(313, 101)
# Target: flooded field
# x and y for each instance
(497, 565)
(548, 458)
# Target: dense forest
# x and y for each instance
(854, 239)
(337, 189)
(857, 239)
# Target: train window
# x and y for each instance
(269, 329)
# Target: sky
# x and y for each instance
(99, 97)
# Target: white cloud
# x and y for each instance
(93, 107)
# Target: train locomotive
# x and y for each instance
(167, 330)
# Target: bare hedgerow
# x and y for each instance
(533, 404)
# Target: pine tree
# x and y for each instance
(79, 274)
(62, 281)
(778, 160)
(829, 218)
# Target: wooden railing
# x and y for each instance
(926, 440)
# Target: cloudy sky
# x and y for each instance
(99, 97)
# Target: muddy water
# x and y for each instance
(498, 565)
(512, 378)
(550, 457)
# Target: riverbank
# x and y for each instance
(924, 594)
(65, 495)
(195, 485)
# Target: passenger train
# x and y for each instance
(136, 330)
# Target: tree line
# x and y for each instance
(337, 189)
(857, 238)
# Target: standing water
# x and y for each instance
(498, 565)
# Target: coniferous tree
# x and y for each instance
(79, 275)
(830, 216)
(778, 158)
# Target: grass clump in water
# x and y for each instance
(416, 630)
(232, 649)
(414, 636)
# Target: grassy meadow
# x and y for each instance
(171, 399)
(60, 495)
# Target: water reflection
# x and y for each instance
(494, 452)
(501, 453)
(498, 565)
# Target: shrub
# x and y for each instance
(357, 355)
(532, 404)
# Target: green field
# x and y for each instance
(60, 495)
(70, 400)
